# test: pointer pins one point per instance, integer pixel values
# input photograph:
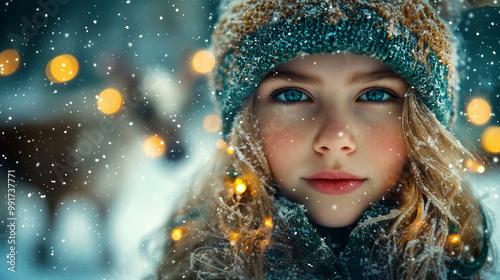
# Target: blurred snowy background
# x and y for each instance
(105, 119)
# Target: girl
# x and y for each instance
(340, 164)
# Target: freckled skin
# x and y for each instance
(329, 133)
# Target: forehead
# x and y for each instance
(338, 60)
(321, 69)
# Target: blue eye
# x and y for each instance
(376, 95)
(289, 95)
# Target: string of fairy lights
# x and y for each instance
(238, 185)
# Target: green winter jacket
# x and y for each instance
(301, 253)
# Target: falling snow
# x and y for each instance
(88, 188)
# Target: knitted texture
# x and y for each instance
(253, 36)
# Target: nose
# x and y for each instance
(335, 137)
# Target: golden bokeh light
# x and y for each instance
(469, 163)
(268, 222)
(154, 146)
(177, 234)
(230, 150)
(478, 111)
(474, 166)
(234, 236)
(490, 140)
(109, 101)
(220, 144)
(9, 62)
(480, 169)
(239, 186)
(62, 68)
(212, 123)
(203, 62)
(454, 239)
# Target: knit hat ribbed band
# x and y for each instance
(253, 36)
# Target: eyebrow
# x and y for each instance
(367, 77)
(357, 77)
(290, 76)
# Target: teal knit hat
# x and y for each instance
(253, 36)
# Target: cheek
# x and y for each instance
(387, 151)
(385, 138)
(282, 145)
(388, 144)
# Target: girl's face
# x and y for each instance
(330, 126)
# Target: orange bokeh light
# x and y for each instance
(454, 238)
(177, 234)
(220, 144)
(212, 123)
(62, 68)
(239, 186)
(109, 101)
(154, 146)
(490, 140)
(478, 111)
(203, 62)
(9, 62)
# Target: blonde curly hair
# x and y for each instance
(225, 233)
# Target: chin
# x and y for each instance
(335, 218)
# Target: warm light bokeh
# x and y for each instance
(474, 166)
(9, 62)
(109, 101)
(480, 169)
(62, 68)
(478, 111)
(490, 140)
(220, 144)
(234, 236)
(203, 62)
(454, 238)
(212, 123)
(269, 222)
(239, 186)
(177, 234)
(154, 146)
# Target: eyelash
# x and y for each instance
(274, 95)
(392, 93)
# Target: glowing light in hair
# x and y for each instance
(154, 146)
(177, 234)
(62, 68)
(268, 222)
(109, 101)
(474, 166)
(454, 239)
(478, 111)
(212, 123)
(9, 62)
(203, 62)
(490, 140)
(239, 186)
(234, 236)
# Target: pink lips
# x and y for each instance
(336, 183)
